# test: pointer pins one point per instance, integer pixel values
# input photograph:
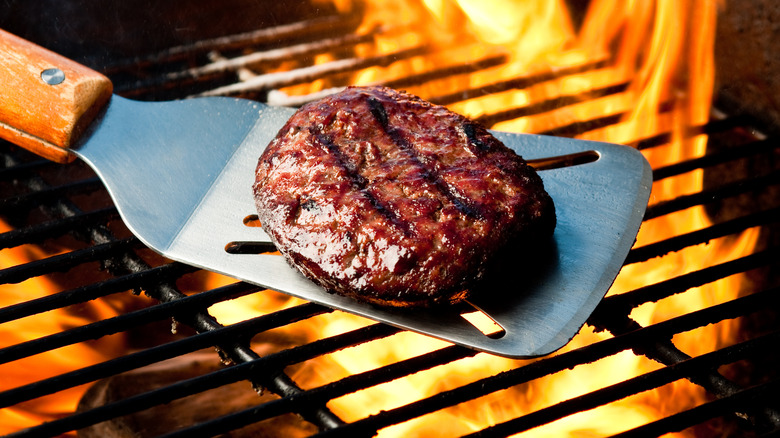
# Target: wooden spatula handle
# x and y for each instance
(46, 100)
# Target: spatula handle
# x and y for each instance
(46, 100)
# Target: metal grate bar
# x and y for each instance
(166, 351)
(328, 392)
(665, 352)
(31, 200)
(517, 82)
(240, 353)
(92, 291)
(715, 194)
(116, 324)
(410, 80)
(129, 262)
(622, 304)
(194, 385)
(645, 382)
(752, 398)
(17, 170)
(226, 66)
(712, 127)
(578, 128)
(445, 72)
(272, 35)
(301, 75)
(554, 364)
(55, 228)
(544, 106)
(715, 158)
(683, 241)
(62, 262)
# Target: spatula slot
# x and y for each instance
(239, 247)
(483, 322)
(252, 221)
(567, 160)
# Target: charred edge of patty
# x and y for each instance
(429, 302)
(403, 299)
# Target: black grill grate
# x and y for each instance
(66, 210)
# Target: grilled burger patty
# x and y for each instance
(381, 196)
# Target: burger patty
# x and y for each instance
(378, 195)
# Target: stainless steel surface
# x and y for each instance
(181, 175)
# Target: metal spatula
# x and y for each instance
(181, 175)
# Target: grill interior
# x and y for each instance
(145, 333)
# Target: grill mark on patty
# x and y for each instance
(353, 249)
(462, 203)
(359, 181)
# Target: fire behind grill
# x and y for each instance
(91, 256)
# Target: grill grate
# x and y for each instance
(135, 274)
(73, 212)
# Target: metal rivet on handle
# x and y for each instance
(53, 76)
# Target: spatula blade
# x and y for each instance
(158, 159)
